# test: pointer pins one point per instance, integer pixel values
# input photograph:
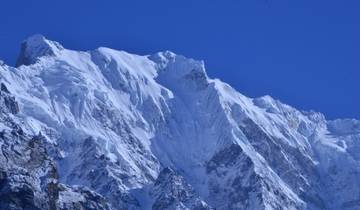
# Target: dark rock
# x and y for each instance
(4, 88)
(171, 191)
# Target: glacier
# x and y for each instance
(114, 130)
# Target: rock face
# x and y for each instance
(28, 175)
(105, 129)
(170, 191)
(7, 102)
(36, 47)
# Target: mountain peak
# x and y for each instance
(37, 46)
(155, 132)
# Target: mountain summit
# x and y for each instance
(35, 47)
(105, 129)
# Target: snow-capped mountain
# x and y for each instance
(105, 129)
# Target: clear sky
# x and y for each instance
(305, 53)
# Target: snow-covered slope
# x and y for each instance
(28, 175)
(156, 132)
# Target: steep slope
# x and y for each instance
(170, 191)
(156, 132)
(28, 175)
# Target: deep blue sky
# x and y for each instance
(305, 53)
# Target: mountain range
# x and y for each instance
(106, 129)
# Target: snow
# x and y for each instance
(70, 197)
(149, 112)
(36, 47)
